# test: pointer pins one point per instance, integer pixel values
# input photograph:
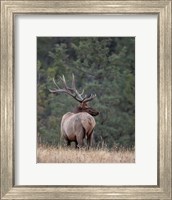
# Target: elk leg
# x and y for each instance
(79, 141)
(68, 142)
(79, 137)
(76, 144)
(89, 140)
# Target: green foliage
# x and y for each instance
(102, 65)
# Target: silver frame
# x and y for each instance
(162, 8)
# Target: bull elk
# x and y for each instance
(79, 124)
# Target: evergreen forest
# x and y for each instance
(104, 66)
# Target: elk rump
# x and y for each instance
(77, 126)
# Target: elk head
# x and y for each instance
(80, 97)
(84, 107)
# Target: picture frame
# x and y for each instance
(9, 9)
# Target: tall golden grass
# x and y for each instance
(49, 154)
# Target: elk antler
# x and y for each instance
(71, 91)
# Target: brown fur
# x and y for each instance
(79, 125)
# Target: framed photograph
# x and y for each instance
(86, 99)
(92, 62)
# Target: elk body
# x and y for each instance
(79, 124)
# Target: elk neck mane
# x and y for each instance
(84, 107)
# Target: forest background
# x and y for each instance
(104, 66)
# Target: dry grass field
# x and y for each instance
(48, 154)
